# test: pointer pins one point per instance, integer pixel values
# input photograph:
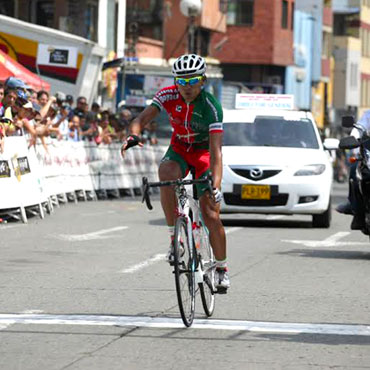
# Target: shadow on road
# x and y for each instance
(158, 222)
(291, 224)
(329, 253)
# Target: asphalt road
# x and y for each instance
(88, 288)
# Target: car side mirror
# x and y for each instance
(349, 142)
(331, 143)
(348, 121)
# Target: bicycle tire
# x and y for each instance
(206, 262)
(184, 269)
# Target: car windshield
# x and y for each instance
(271, 131)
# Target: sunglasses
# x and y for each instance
(191, 80)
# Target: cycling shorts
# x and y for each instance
(188, 157)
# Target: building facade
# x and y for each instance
(352, 58)
(256, 48)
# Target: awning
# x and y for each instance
(11, 68)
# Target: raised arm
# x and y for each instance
(136, 126)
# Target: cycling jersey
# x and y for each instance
(192, 122)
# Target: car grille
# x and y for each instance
(232, 199)
(247, 173)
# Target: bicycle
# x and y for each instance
(194, 261)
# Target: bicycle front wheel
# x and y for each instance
(207, 263)
(184, 269)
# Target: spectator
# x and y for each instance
(69, 100)
(106, 131)
(42, 97)
(89, 126)
(32, 96)
(95, 108)
(24, 113)
(81, 107)
(60, 98)
(74, 129)
(125, 116)
(45, 101)
(61, 121)
(8, 102)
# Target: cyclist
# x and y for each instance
(196, 117)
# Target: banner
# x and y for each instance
(21, 184)
(31, 176)
(70, 166)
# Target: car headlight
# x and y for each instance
(311, 170)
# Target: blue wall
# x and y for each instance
(307, 54)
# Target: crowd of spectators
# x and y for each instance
(37, 115)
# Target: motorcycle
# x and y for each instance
(362, 193)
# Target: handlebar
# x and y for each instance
(179, 182)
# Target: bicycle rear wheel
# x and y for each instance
(207, 263)
(184, 269)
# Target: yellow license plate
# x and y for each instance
(256, 192)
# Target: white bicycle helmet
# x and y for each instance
(189, 64)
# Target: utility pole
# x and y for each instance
(121, 41)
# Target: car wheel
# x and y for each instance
(322, 220)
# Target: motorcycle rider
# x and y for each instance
(354, 204)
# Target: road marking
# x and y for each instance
(91, 236)
(232, 230)
(146, 263)
(160, 257)
(166, 322)
(331, 241)
(3, 326)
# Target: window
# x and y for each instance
(284, 14)
(272, 131)
(91, 21)
(292, 16)
(43, 12)
(7, 7)
(240, 12)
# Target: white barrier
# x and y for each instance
(21, 183)
(32, 177)
(72, 166)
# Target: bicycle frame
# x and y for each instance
(185, 203)
(189, 219)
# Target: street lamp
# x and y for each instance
(191, 9)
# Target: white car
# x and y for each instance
(275, 163)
